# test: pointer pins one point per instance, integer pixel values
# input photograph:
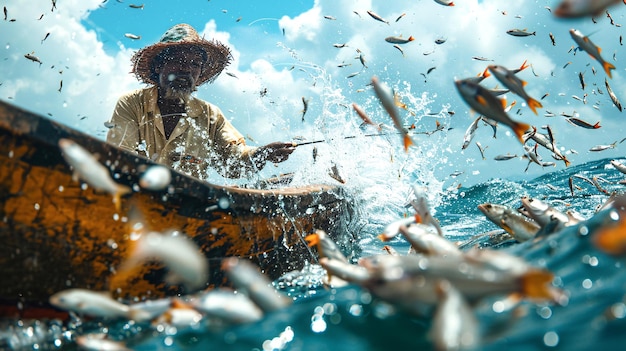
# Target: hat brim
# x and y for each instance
(218, 57)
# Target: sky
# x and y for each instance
(287, 51)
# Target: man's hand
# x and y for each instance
(273, 152)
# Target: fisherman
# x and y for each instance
(165, 123)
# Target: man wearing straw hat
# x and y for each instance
(166, 123)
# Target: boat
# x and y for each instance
(58, 233)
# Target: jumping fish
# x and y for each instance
(511, 81)
(469, 133)
(582, 8)
(579, 122)
(587, 45)
(326, 247)
(399, 40)
(481, 100)
(387, 99)
(377, 17)
(227, 306)
(305, 103)
(520, 32)
(247, 279)
(359, 111)
(33, 58)
(445, 2)
(181, 256)
(427, 242)
(510, 220)
(612, 95)
(94, 304)
(619, 166)
(87, 168)
(454, 325)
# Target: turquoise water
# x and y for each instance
(351, 318)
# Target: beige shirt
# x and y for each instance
(202, 139)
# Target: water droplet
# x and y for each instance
(583, 230)
(618, 310)
(61, 188)
(614, 215)
(356, 310)
(498, 307)
(587, 283)
(36, 206)
(223, 203)
(551, 339)
(545, 312)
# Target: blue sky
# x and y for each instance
(87, 50)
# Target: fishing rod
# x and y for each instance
(344, 138)
(368, 135)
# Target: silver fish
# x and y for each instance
(91, 303)
(227, 306)
(511, 81)
(454, 325)
(510, 220)
(582, 8)
(247, 279)
(424, 241)
(88, 169)
(587, 45)
(181, 256)
(469, 133)
(482, 101)
(612, 95)
(520, 32)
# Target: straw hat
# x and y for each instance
(218, 55)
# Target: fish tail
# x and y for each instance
(607, 68)
(535, 284)
(524, 65)
(520, 129)
(534, 104)
(567, 162)
(407, 142)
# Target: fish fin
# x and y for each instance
(524, 83)
(523, 66)
(597, 125)
(608, 67)
(481, 100)
(452, 3)
(535, 284)
(312, 239)
(383, 238)
(611, 238)
(534, 104)
(411, 38)
(520, 129)
(407, 142)
(485, 73)
(503, 103)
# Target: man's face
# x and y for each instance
(179, 72)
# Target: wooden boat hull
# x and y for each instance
(57, 233)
